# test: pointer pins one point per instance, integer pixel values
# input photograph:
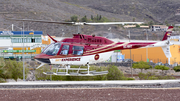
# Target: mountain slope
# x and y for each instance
(158, 11)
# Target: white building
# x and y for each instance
(11, 42)
(159, 28)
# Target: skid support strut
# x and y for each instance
(67, 67)
(88, 69)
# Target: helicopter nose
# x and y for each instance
(43, 58)
(47, 61)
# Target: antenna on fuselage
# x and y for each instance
(79, 29)
(129, 35)
(62, 33)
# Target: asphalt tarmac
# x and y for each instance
(136, 90)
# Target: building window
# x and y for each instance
(32, 40)
(20, 40)
(15, 40)
(26, 40)
(38, 40)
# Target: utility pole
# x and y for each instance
(79, 29)
(110, 31)
(62, 32)
(12, 27)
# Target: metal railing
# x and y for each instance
(11, 55)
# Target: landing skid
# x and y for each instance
(77, 73)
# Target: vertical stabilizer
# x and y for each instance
(166, 49)
(168, 33)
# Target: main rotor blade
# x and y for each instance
(44, 21)
(113, 23)
(78, 23)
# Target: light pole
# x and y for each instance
(110, 30)
(79, 29)
(130, 52)
(147, 47)
(20, 29)
(23, 55)
(62, 32)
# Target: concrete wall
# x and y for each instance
(5, 42)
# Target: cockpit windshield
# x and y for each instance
(52, 49)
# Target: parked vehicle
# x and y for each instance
(166, 64)
(127, 60)
(159, 63)
(175, 64)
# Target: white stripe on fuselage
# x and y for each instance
(157, 44)
(81, 60)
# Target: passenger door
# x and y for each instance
(78, 50)
(65, 50)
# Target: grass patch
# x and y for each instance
(153, 76)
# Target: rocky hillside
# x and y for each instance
(158, 11)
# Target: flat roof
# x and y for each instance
(21, 32)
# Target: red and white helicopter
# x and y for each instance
(86, 49)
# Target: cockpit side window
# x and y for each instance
(78, 50)
(65, 50)
(52, 49)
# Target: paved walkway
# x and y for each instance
(132, 82)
